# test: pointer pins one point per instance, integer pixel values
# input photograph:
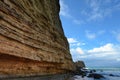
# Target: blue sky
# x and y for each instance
(92, 28)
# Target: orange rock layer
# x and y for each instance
(32, 40)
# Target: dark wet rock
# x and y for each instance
(114, 75)
(80, 64)
(111, 75)
(96, 76)
(79, 68)
(92, 71)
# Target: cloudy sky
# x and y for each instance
(92, 28)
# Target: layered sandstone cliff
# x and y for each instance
(32, 40)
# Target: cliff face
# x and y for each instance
(32, 40)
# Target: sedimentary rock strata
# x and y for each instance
(32, 40)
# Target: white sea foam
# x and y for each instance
(109, 74)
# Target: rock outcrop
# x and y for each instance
(32, 40)
(79, 64)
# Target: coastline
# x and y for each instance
(98, 74)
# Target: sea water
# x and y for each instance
(108, 73)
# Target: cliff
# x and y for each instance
(32, 40)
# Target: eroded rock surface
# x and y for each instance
(32, 40)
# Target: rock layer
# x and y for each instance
(32, 40)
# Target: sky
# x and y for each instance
(92, 28)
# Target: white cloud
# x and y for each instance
(118, 59)
(108, 51)
(90, 35)
(118, 37)
(79, 22)
(98, 9)
(75, 43)
(116, 34)
(96, 12)
(80, 43)
(95, 16)
(72, 40)
(93, 35)
(106, 48)
(64, 9)
(77, 51)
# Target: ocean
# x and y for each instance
(108, 73)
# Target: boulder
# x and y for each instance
(79, 68)
(95, 75)
(80, 64)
